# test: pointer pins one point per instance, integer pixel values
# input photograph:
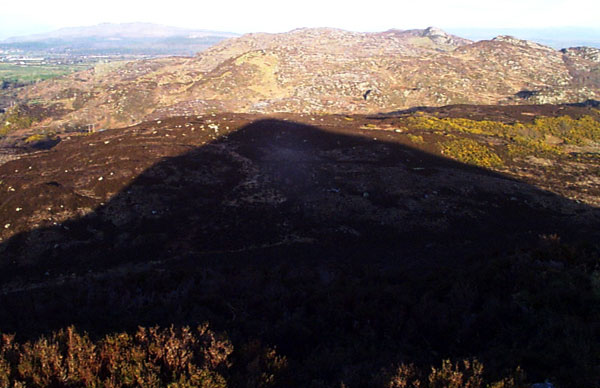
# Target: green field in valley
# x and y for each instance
(33, 73)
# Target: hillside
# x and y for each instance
(325, 251)
(320, 208)
(319, 71)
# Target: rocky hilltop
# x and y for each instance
(319, 70)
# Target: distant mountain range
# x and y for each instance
(149, 38)
(123, 31)
(324, 70)
(131, 38)
(555, 37)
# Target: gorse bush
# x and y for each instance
(571, 131)
(416, 139)
(13, 119)
(522, 139)
(40, 137)
(471, 152)
(483, 127)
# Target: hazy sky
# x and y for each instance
(23, 17)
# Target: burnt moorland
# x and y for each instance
(323, 250)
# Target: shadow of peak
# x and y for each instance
(322, 241)
(276, 181)
(285, 192)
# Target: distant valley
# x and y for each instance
(111, 39)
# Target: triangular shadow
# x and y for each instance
(197, 236)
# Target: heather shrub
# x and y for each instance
(467, 374)
(263, 367)
(405, 376)
(464, 374)
(152, 357)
